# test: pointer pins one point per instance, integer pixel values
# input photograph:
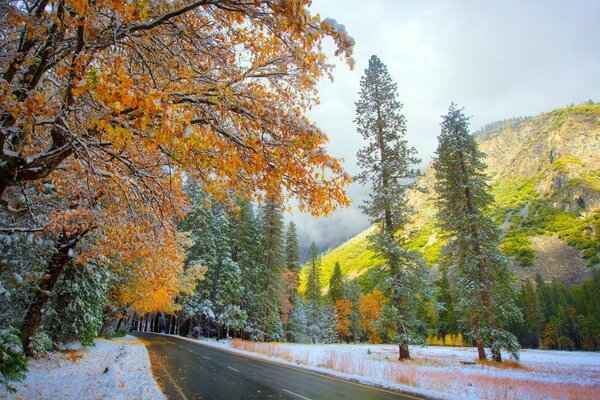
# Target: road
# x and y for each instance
(189, 371)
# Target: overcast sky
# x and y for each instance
(498, 59)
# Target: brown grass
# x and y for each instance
(484, 386)
(504, 388)
(73, 355)
(405, 374)
(270, 349)
(504, 364)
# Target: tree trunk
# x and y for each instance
(481, 350)
(56, 265)
(496, 355)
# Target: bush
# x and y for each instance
(13, 363)
(41, 343)
(566, 343)
(121, 332)
(109, 332)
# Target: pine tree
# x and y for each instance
(247, 242)
(292, 251)
(354, 294)
(463, 197)
(336, 284)
(298, 323)
(328, 324)
(313, 294)
(272, 224)
(387, 163)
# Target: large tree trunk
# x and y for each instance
(481, 350)
(56, 265)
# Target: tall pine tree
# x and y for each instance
(463, 197)
(336, 284)
(387, 163)
(313, 294)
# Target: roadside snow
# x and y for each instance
(112, 369)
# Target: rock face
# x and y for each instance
(555, 260)
(545, 175)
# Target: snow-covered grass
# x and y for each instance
(539, 375)
(112, 369)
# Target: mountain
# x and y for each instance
(545, 175)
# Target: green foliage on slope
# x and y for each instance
(520, 209)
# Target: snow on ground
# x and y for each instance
(541, 374)
(112, 369)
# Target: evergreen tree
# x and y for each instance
(76, 306)
(328, 324)
(353, 294)
(272, 224)
(463, 197)
(336, 284)
(247, 243)
(447, 318)
(298, 323)
(313, 294)
(292, 250)
(387, 163)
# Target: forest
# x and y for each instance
(150, 150)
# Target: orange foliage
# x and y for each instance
(106, 104)
(370, 309)
(343, 309)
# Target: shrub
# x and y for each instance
(121, 332)
(13, 363)
(41, 343)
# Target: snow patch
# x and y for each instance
(117, 370)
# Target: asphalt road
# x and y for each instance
(188, 371)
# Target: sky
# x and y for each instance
(497, 59)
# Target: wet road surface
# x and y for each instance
(189, 371)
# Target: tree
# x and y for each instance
(272, 227)
(387, 163)
(313, 294)
(343, 310)
(354, 294)
(298, 323)
(463, 198)
(292, 251)
(336, 284)
(371, 306)
(109, 102)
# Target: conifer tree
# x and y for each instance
(387, 163)
(313, 294)
(354, 293)
(292, 250)
(298, 323)
(336, 284)
(274, 258)
(463, 197)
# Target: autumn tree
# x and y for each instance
(463, 199)
(122, 97)
(371, 306)
(388, 165)
(343, 310)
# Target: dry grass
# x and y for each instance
(405, 374)
(269, 349)
(504, 364)
(73, 355)
(504, 388)
(489, 387)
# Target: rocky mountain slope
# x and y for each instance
(545, 176)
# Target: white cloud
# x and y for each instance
(497, 59)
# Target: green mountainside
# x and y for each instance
(545, 176)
